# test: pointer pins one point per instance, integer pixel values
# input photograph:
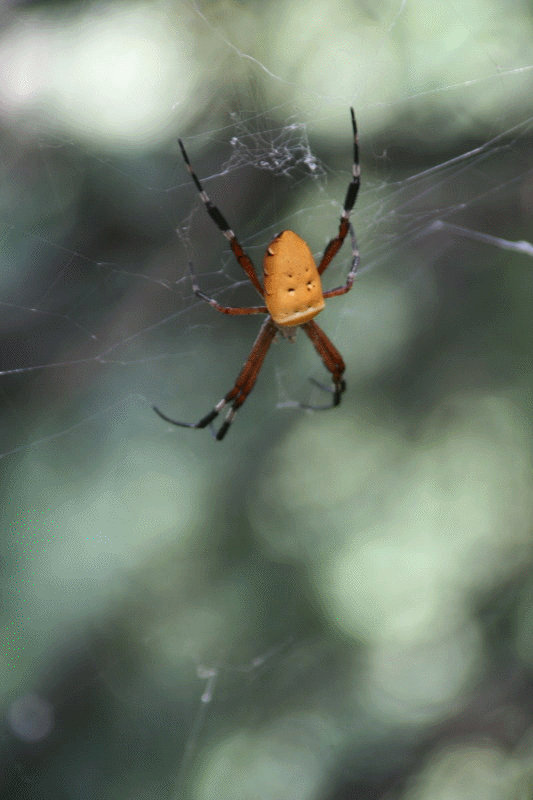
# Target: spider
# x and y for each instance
(293, 296)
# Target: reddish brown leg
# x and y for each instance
(332, 361)
(334, 245)
(353, 270)
(231, 310)
(243, 385)
(244, 260)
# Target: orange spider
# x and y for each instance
(293, 295)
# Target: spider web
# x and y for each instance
(123, 530)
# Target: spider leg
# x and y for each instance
(232, 310)
(221, 223)
(334, 245)
(243, 385)
(353, 269)
(332, 360)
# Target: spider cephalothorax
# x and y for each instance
(292, 291)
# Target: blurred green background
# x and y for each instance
(324, 605)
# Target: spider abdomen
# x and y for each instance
(293, 289)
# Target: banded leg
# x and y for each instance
(221, 223)
(232, 310)
(334, 245)
(353, 270)
(243, 385)
(332, 360)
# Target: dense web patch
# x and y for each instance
(285, 151)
